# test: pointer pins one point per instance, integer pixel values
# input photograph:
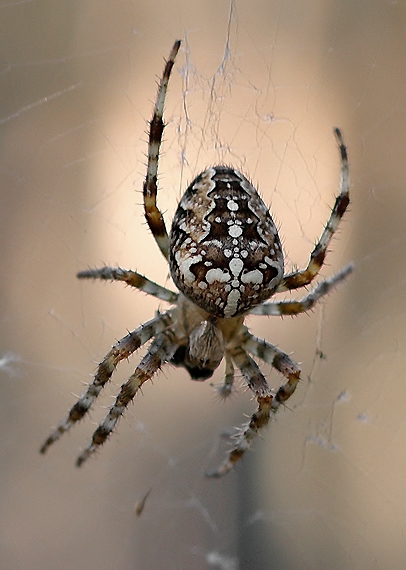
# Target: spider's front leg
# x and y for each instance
(259, 386)
(280, 361)
(121, 350)
(268, 400)
(160, 352)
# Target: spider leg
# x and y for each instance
(133, 279)
(160, 351)
(122, 349)
(307, 303)
(305, 276)
(278, 359)
(268, 401)
(259, 386)
(152, 214)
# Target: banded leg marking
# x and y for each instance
(308, 302)
(259, 386)
(280, 361)
(160, 351)
(133, 279)
(305, 276)
(121, 350)
(153, 215)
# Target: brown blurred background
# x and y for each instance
(260, 86)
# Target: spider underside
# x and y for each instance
(226, 259)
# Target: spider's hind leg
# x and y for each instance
(305, 276)
(153, 215)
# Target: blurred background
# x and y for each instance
(259, 86)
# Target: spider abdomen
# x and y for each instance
(225, 252)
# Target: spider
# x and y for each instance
(226, 260)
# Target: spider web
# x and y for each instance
(259, 88)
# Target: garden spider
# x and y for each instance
(226, 259)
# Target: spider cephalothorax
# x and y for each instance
(226, 259)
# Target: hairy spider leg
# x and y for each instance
(305, 276)
(121, 350)
(307, 303)
(268, 401)
(131, 278)
(153, 215)
(161, 351)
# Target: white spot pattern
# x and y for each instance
(225, 249)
